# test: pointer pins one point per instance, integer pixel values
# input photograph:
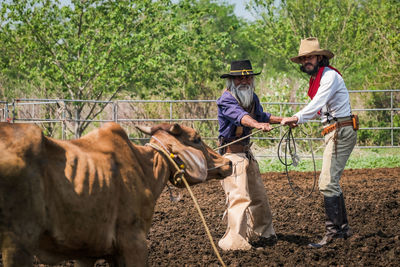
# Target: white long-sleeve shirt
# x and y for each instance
(332, 99)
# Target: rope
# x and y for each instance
(204, 222)
(244, 137)
(295, 159)
(179, 171)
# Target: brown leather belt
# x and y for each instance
(237, 148)
(336, 125)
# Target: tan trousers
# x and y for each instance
(333, 164)
(248, 212)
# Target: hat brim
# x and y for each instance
(321, 52)
(229, 75)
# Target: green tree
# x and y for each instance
(95, 49)
(363, 34)
(383, 53)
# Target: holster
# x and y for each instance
(356, 123)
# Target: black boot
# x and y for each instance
(336, 221)
(345, 230)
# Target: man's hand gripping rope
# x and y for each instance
(262, 128)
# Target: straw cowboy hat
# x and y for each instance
(240, 68)
(310, 47)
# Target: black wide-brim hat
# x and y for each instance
(240, 68)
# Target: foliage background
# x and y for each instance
(164, 49)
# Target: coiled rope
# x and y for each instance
(290, 145)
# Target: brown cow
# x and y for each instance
(90, 198)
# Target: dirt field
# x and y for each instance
(177, 237)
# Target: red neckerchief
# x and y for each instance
(314, 83)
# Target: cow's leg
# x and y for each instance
(85, 263)
(133, 249)
(112, 262)
(14, 255)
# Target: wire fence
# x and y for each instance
(65, 119)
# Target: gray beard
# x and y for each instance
(244, 93)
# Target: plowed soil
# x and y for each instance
(178, 238)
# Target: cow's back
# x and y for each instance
(84, 190)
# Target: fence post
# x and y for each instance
(63, 122)
(280, 115)
(13, 111)
(6, 112)
(115, 111)
(391, 116)
(76, 122)
(170, 112)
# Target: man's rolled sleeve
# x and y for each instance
(264, 117)
(261, 116)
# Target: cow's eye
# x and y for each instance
(197, 140)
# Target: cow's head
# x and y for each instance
(200, 162)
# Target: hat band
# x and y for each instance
(244, 72)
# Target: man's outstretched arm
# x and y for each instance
(252, 123)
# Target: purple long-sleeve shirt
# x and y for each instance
(230, 114)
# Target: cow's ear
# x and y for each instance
(175, 129)
(144, 129)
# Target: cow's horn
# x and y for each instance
(144, 129)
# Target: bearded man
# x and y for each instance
(249, 217)
(329, 100)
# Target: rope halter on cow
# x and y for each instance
(179, 178)
(176, 161)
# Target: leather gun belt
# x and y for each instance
(335, 126)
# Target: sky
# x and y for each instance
(240, 9)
